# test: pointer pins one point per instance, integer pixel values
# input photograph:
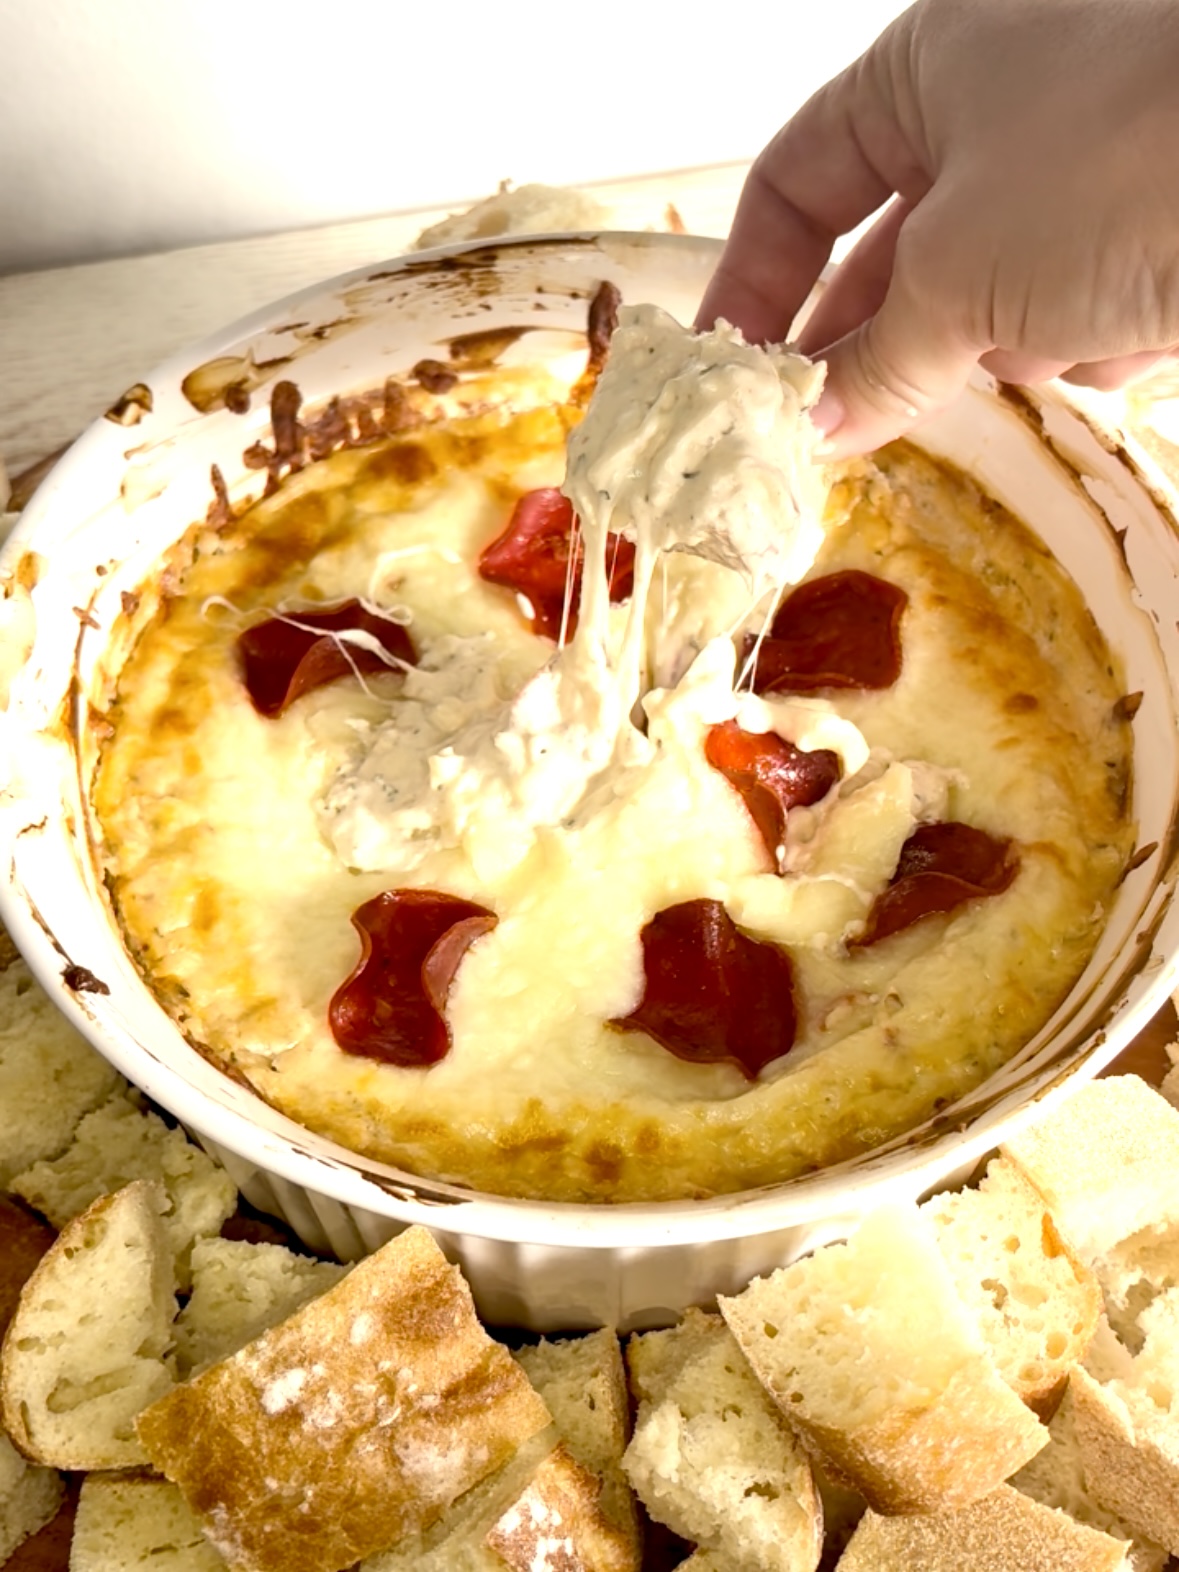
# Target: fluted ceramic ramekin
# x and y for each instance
(137, 479)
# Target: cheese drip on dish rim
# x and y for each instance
(693, 442)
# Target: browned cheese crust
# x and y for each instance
(237, 910)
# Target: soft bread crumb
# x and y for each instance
(583, 1383)
(873, 1358)
(85, 1350)
(358, 1441)
(136, 1523)
(29, 1497)
(1035, 1303)
(118, 1143)
(1096, 1159)
(712, 1458)
(1003, 1532)
(49, 1075)
(240, 1290)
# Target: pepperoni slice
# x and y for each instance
(392, 1006)
(841, 631)
(280, 663)
(713, 995)
(532, 558)
(771, 774)
(941, 867)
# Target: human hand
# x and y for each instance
(1031, 151)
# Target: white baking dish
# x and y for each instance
(135, 482)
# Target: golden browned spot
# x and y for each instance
(178, 719)
(1051, 1242)
(605, 1161)
(408, 463)
(206, 910)
(647, 1141)
(1021, 703)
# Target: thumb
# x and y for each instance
(906, 362)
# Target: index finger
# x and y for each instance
(840, 157)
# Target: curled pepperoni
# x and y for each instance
(392, 1006)
(941, 867)
(771, 774)
(532, 558)
(711, 994)
(841, 631)
(280, 662)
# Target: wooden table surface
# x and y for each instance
(72, 339)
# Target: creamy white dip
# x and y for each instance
(692, 442)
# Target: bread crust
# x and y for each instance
(938, 1458)
(357, 1421)
(61, 1273)
(1127, 1472)
(1004, 1532)
(557, 1524)
(944, 1428)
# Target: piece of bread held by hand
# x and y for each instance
(877, 1364)
(1035, 1302)
(355, 1422)
(712, 1458)
(85, 1350)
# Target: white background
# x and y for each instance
(137, 125)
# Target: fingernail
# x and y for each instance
(829, 413)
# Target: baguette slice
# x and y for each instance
(1107, 1163)
(29, 1497)
(1036, 1304)
(118, 1143)
(1055, 1477)
(712, 1458)
(583, 1383)
(137, 1523)
(49, 1074)
(85, 1350)
(557, 1522)
(239, 1291)
(357, 1421)
(1004, 1532)
(512, 1517)
(875, 1361)
(1129, 1446)
(457, 1541)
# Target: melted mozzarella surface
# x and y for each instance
(238, 847)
